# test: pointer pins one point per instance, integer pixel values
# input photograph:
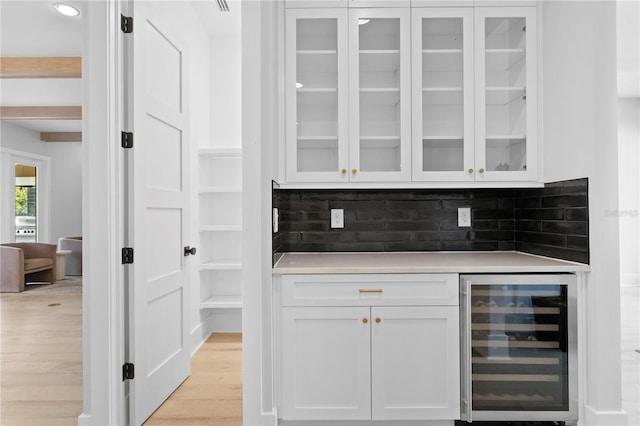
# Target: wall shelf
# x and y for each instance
(220, 228)
(220, 235)
(222, 302)
(223, 265)
(215, 189)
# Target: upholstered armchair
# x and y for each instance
(17, 260)
(73, 260)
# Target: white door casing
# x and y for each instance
(159, 207)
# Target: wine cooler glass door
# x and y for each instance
(519, 344)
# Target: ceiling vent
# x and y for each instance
(222, 5)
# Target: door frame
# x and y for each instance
(103, 300)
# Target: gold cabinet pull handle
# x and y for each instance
(370, 290)
(470, 170)
(378, 320)
(354, 171)
(481, 170)
(343, 171)
(365, 320)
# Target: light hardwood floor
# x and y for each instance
(40, 359)
(212, 395)
(41, 369)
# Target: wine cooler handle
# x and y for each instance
(465, 302)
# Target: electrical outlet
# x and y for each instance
(275, 216)
(337, 218)
(464, 216)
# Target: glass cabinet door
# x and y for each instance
(443, 94)
(519, 341)
(506, 103)
(316, 95)
(380, 97)
(519, 347)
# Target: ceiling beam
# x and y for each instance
(40, 113)
(41, 67)
(61, 136)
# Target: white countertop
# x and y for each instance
(421, 262)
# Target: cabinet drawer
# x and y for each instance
(370, 290)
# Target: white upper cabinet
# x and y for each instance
(317, 97)
(411, 94)
(442, 123)
(298, 4)
(490, 139)
(306, 4)
(379, 3)
(506, 94)
(380, 95)
(348, 97)
(442, 3)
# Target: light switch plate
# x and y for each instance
(337, 218)
(464, 216)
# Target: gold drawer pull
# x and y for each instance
(378, 320)
(374, 290)
(365, 320)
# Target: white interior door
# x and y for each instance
(159, 203)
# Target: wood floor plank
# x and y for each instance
(40, 359)
(41, 369)
(212, 395)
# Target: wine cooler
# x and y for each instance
(519, 344)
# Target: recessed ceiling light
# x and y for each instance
(66, 9)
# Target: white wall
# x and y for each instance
(198, 80)
(226, 90)
(65, 177)
(629, 189)
(580, 140)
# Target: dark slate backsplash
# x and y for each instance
(277, 244)
(396, 220)
(552, 219)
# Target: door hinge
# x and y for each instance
(126, 24)
(128, 371)
(127, 255)
(126, 139)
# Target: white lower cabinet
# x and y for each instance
(375, 362)
(415, 368)
(326, 363)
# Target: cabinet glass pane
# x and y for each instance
(379, 66)
(317, 94)
(442, 94)
(505, 83)
(519, 347)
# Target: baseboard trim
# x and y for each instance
(198, 336)
(604, 418)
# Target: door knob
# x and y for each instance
(189, 251)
